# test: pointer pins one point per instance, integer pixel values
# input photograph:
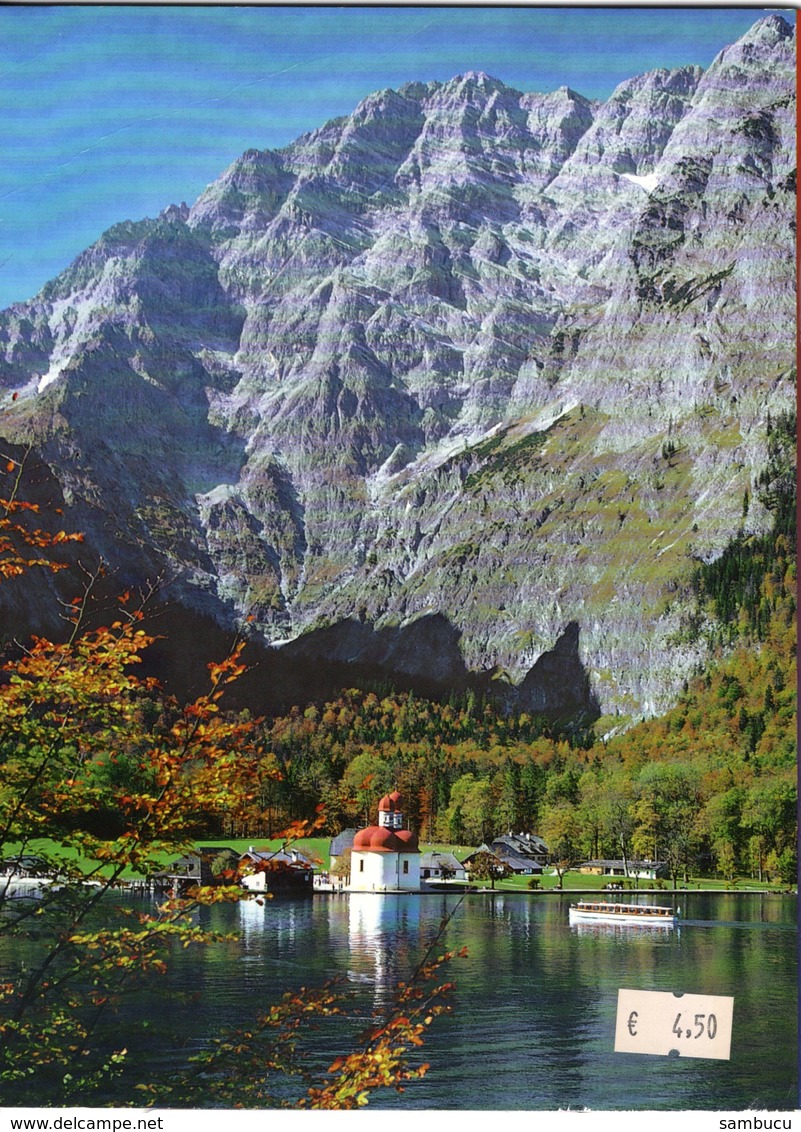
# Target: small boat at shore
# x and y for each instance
(613, 912)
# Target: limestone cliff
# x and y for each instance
(495, 362)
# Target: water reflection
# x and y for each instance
(535, 1001)
(381, 929)
(637, 931)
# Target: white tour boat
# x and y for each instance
(613, 912)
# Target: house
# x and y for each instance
(277, 870)
(340, 843)
(203, 866)
(385, 857)
(520, 866)
(444, 867)
(642, 870)
(338, 876)
(484, 851)
(26, 875)
(525, 846)
(26, 865)
(522, 853)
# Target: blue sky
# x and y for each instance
(112, 113)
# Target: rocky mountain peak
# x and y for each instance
(177, 213)
(768, 31)
(754, 58)
(478, 80)
(496, 358)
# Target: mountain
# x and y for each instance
(459, 388)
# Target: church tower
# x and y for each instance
(386, 857)
(390, 815)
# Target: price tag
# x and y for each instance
(681, 1025)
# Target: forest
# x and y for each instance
(117, 777)
(708, 787)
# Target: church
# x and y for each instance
(386, 857)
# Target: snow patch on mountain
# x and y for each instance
(648, 182)
(48, 378)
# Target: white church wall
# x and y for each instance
(384, 872)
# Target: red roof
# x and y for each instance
(379, 839)
(408, 839)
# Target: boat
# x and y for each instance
(613, 912)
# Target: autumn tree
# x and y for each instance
(68, 712)
(486, 866)
(721, 821)
(667, 813)
(560, 830)
(768, 813)
(341, 867)
(470, 811)
(242, 1068)
(617, 814)
(104, 777)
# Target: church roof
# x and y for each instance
(391, 802)
(380, 839)
(341, 842)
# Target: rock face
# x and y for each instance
(499, 363)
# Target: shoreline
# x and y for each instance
(611, 897)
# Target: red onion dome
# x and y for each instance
(408, 840)
(377, 839)
(396, 799)
(386, 805)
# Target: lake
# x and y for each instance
(533, 1015)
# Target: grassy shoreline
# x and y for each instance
(317, 848)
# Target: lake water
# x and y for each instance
(533, 1015)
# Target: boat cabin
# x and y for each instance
(615, 908)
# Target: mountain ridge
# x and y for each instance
(443, 355)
